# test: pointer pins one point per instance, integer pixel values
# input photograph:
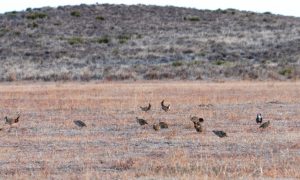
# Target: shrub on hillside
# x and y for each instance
(75, 13)
(75, 40)
(36, 15)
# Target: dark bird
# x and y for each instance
(11, 121)
(141, 121)
(265, 125)
(258, 118)
(146, 108)
(198, 126)
(79, 123)
(163, 125)
(196, 119)
(156, 127)
(164, 107)
(220, 133)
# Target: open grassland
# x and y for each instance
(47, 144)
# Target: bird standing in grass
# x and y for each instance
(141, 121)
(156, 127)
(163, 125)
(265, 125)
(164, 107)
(146, 108)
(221, 134)
(259, 118)
(197, 123)
(198, 127)
(11, 121)
(79, 123)
(196, 119)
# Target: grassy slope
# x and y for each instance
(117, 42)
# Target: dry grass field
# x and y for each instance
(47, 144)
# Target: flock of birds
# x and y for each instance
(157, 126)
(196, 120)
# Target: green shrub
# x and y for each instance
(36, 15)
(100, 18)
(177, 63)
(16, 33)
(192, 18)
(103, 40)
(75, 40)
(219, 62)
(33, 25)
(11, 14)
(75, 13)
(123, 38)
(286, 72)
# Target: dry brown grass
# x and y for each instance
(47, 144)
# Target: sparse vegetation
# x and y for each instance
(177, 63)
(75, 40)
(100, 18)
(286, 71)
(33, 25)
(11, 14)
(192, 18)
(219, 62)
(103, 40)
(36, 15)
(145, 35)
(3, 32)
(123, 38)
(75, 13)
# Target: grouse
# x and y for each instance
(265, 125)
(156, 127)
(141, 121)
(164, 107)
(197, 119)
(11, 121)
(258, 118)
(198, 127)
(163, 125)
(79, 123)
(146, 108)
(221, 134)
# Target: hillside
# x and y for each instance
(119, 42)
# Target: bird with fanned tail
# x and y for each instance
(146, 108)
(164, 107)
